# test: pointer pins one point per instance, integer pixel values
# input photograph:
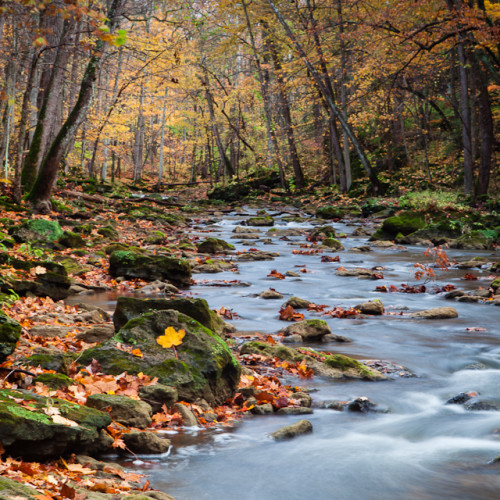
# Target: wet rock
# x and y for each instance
(435, 313)
(373, 307)
(454, 294)
(293, 339)
(304, 398)
(358, 272)
(309, 329)
(245, 237)
(468, 298)
(360, 405)
(158, 287)
(255, 256)
(332, 243)
(124, 410)
(322, 232)
(362, 249)
(263, 221)
(36, 435)
(293, 430)
(263, 409)
(481, 405)
(128, 308)
(474, 240)
(149, 267)
(361, 231)
(297, 303)
(331, 337)
(145, 443)
(245, 229)
(188, 416)
(461, 398)
(98, 334)
(10, 333)
(292, 274)
(270, 294)
(202, 366)
(214, 245)
(383, 244)
(158, 395)
(295, 410)
(330, 212)
(280, 233)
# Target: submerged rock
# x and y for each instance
(293, 430)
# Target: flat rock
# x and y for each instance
(98, 333)
(50, 330)
(436, 313)
(293, 430)
(295, 410)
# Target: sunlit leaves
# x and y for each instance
(171, 337)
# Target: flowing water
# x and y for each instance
(421, 448)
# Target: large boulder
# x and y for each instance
(37, 428)
(128, 308)
(202, 366)
(150, 267)
(10, 332)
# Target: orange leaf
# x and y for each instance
(137, 352)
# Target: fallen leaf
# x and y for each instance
(171, 337)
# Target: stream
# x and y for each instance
(420, 448)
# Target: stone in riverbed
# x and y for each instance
(214, 245)
(295, 410)
(263, 221)
(145, 442)
(372, 307)
(293, 430)
(124, 410)
(297, 303)
(304, 398)
(270, 294)
(309, 329)
(188, 417)
(435, 313)
(158, 395)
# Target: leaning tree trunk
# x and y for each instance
(40, 194)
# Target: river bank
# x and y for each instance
(181, 239)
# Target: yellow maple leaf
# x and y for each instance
(171, 337)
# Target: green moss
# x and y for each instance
(54, 380)
(404, 223)
(11, 489)
(155, 238)
(345, 363)
(214, 245)
(71, 240)
(330, 212)
(108, 232)
(261, 221)
(332, 243)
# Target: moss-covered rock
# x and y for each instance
(54, 380)
(33, 230)
(336, 366)
(124, 410)
(53, 360)
(11, 490)
(10, 332)
(322, 232)
(117, 245)
(264, 221)
(150, 267)
(309, 329)
(128, 308)
(108, 232)
(214, 245)
(438, 233)
(6, 240)
(330, 212)
(155, 238)
(474, 240)
(72, 240)
(204, 366)
(85, 229)
(332, 243)
(404, 223)
(36, 434)
(72, 266)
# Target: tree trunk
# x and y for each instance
(44, 184)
